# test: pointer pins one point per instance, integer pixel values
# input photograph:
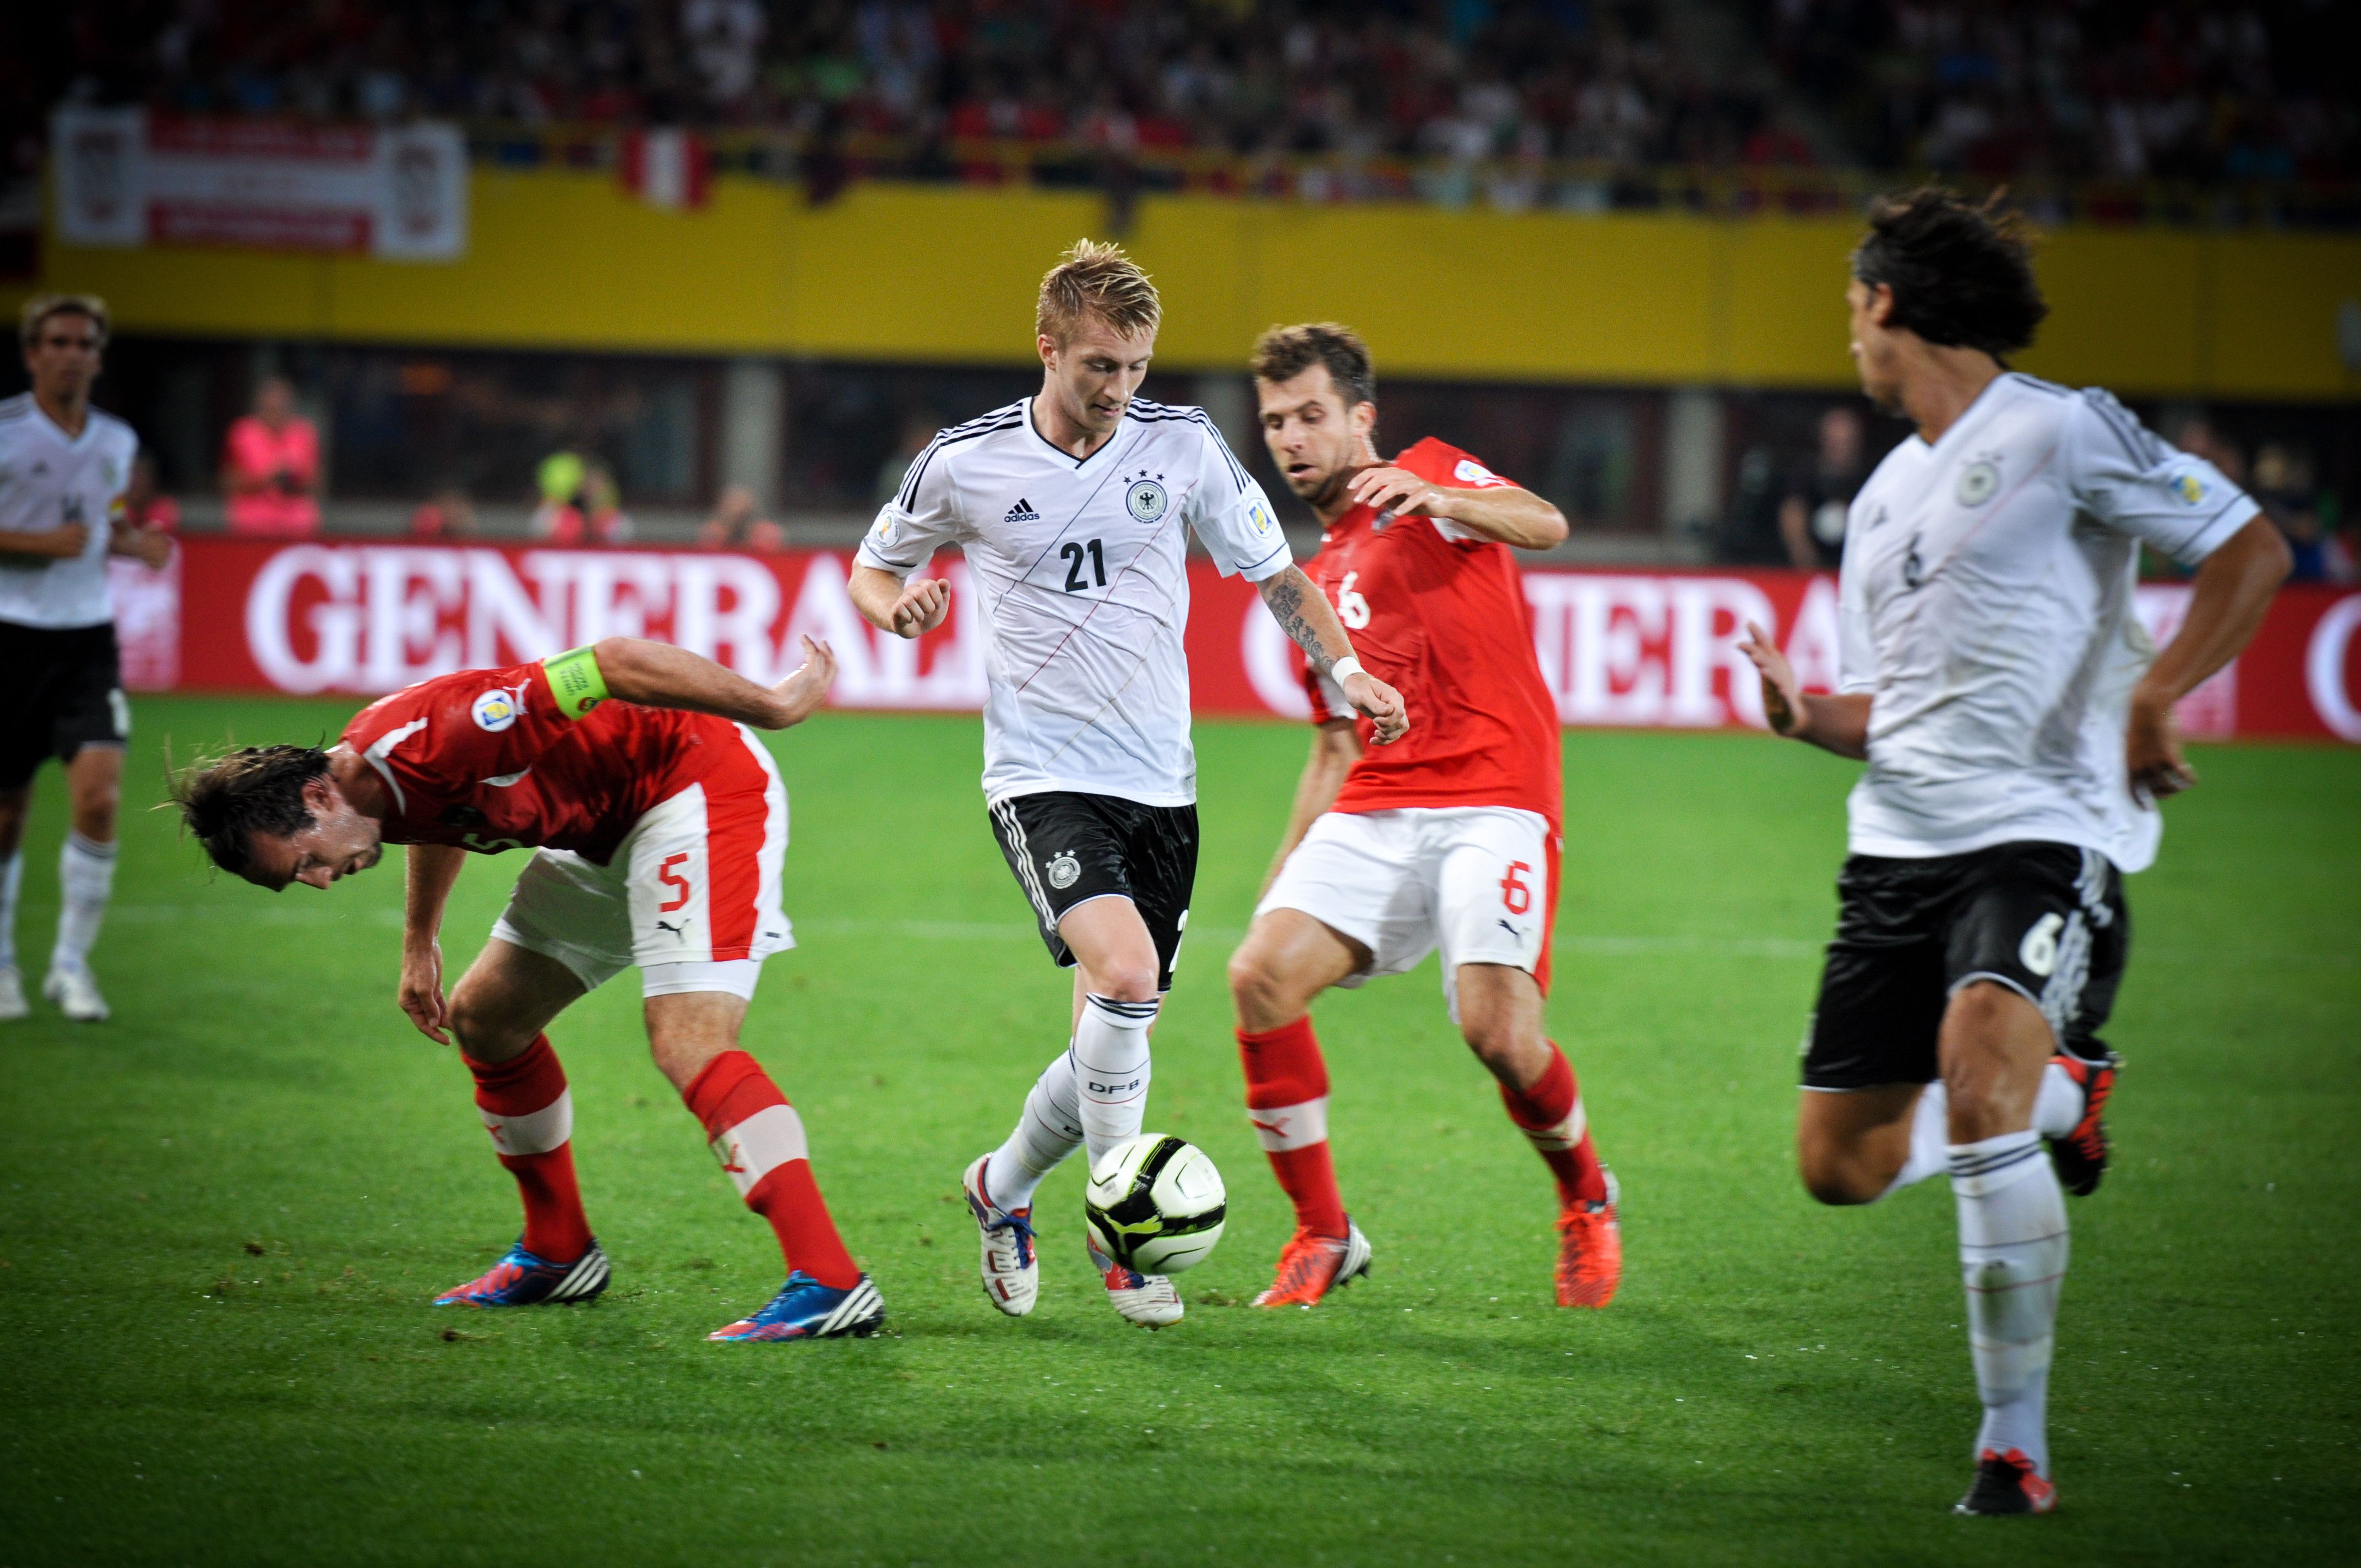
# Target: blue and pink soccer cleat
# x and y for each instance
(805, 1308)
(522, 1279)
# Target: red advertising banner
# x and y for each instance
(1620, 648)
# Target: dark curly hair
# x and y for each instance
(1961, 273)
(227, 799)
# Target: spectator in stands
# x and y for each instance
(447, 515)
(580, 502)
(2282, 483)
(270, 467)
(145, 504)
(738, 523)
(1812, 514)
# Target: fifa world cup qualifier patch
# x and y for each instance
(575, 681)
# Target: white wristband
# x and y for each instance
(1346, 667)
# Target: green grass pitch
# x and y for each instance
(222, 1214)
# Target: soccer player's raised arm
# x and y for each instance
(1303, 613)
(2232, 591)
(1837, 722)
(433, 869)
(1498, 509)
(656, 674)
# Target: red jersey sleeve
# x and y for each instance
(1440, 463)
(460, 730)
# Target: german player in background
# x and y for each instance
(1448, 839)
(2018, 732)
(658, 828)
(1074, 506)
(64, 468)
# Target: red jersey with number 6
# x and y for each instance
(1439, 614)
(487, 761)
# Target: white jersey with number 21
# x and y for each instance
(1081, 578)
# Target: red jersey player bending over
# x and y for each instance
(659, 827)
(1447, 839)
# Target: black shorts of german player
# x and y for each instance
(61, 690)
(1067, 849)
(2046, 920)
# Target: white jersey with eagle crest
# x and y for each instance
(1080, 573)
(1985, 602)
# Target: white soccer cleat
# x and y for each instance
(1148, 1299)
(75, 990)
(1011, 1267)
(13, 1005)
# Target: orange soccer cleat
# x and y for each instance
(2081, 1154)
(1312, 1264)
(1589, 1252)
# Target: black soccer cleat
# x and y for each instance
(2081, 1154)
(2007, 1483)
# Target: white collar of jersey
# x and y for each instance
(1077, 462)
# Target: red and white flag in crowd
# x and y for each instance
(666, 168)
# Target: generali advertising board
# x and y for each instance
(1636, 650)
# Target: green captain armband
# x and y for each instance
(575, 681)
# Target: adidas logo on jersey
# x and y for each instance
(1022, 512)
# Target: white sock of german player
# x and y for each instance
(1111, 1069)
(2013, 1261)
(2057, 1107)
(12, 876)
(85, 881)
(1050, 1130)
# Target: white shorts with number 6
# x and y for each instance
(691, 896)
(1477, 881)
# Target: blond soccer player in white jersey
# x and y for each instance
(1073, 508)
(2018, 732)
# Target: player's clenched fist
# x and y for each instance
(800, 695)
(922, 608)
(1380, 702)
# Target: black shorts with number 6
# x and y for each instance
(1067, 847)
(2047, 920)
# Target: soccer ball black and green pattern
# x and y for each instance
(1155, 1204)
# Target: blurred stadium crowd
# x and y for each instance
(2037, 91)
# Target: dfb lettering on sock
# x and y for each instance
(1112, 1070)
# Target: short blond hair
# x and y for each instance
(41, 307)
(1096, 279)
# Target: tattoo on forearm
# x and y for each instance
(1286, 601)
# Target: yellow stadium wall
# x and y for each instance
(564, 260)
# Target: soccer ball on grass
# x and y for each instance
(1155, 1204)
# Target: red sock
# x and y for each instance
(525, 1107)
(1550, 1113)
(1287, 1100)
(759, 1140)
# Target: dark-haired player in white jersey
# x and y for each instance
(2018, 732)
(64, 468)
(1073, 507)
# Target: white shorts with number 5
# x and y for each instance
(691, 896)
(1479, 882)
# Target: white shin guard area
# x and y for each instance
(1111, 1069)
(2013, 1248)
